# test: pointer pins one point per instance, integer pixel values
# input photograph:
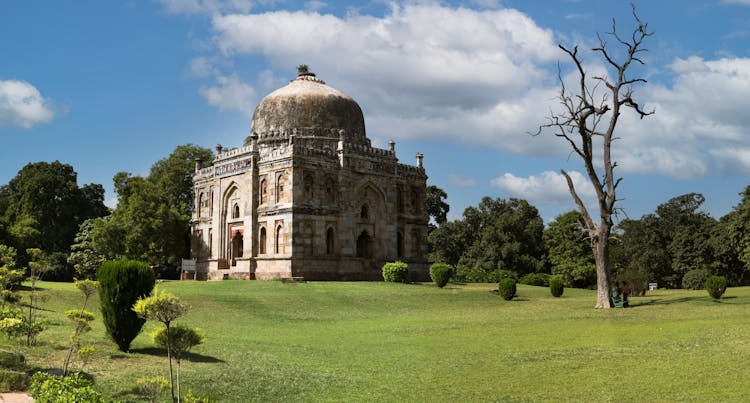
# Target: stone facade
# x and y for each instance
(308, 196)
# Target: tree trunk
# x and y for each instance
(601, 257)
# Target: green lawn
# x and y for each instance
(268, 341)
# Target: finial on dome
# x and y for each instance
(304, 70)
(304, 74)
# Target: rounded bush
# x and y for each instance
(556, 286)
(537, 279)
(441, 273)
(695, 279)
(716, 285)
(507, 288)
(396, 272)
(122, 283)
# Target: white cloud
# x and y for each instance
(232, 94)
(460, 181)
(208, 6)
(22, 105)
(547, 188)
(315, 5)
(201, 67)
(487, 78)
(696, 120)
(427, 70)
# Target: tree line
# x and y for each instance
(676, 246)
(44, 207)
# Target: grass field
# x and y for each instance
(268, 341)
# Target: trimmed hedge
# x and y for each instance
(441, 273)
(396, 272)
(122, 282)
(507, 288)
(556, 286)
(716, 285)
(537, 279)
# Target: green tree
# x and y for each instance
(152, 218)
(509, 237)
(122, 283)
(165, 308)
(435, 205)
(569, 250)
(737, 223)
(46, 196)
(84, 258)
(80, 318)
(178, 339)
(449, 241)
(675, 240)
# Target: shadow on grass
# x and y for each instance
(188, 356)
(663, 301)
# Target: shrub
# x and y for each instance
(193, 398)
(55, 389)
(537, 279)
(441, 273)
(396, 272)
(151, 387)
(12, 380)
(507, 288)
(479, 275)
(11, 279)
(695, 279)
(122, 282)
(556, 286)
(12, 360)
(716, 285)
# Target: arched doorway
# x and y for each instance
(237, 245)
(329, 241)
(364, 245)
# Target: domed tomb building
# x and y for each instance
(307, 195)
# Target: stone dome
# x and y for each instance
(308, 107)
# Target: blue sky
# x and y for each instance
(111, 86)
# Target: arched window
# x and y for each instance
(278, 240)
(236, 211)
(263, 192)
(364, 245)
(280, 182)
(262, 241)
(400, 244)
(200, 204)
(329, 241)
(364, 213)
(210, 242)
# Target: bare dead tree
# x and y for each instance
(586, 116)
